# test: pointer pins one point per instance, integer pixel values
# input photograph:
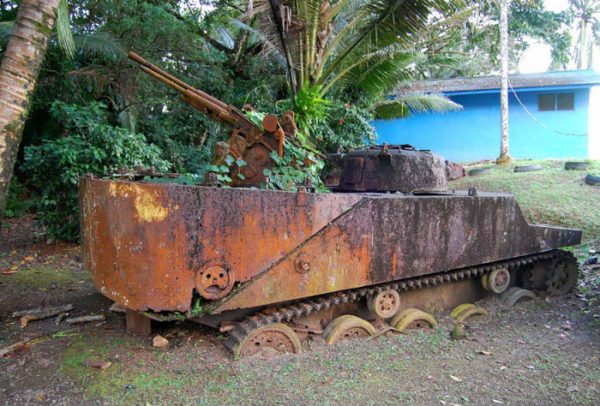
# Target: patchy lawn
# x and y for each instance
(542, 352)
(550, 196)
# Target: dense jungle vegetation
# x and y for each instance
(334, 63)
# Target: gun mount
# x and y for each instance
(247, 141)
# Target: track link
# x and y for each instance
(305, 307)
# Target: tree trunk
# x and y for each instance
(19, 71)
(504, 157)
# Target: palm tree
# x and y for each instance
(19, 71)
(587, 19)
(504, 157)
(367, 44)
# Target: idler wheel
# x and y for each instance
(347, 327)
(497, 281)
(413, 319)
(215, 281)
(269, 340)
(384, 304)
(563, 276)
(467, 310)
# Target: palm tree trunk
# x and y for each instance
(19, 71)
(504, 149)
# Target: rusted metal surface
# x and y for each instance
(389, 168)
(393, 237)
(455, 171)
(155, 246)
(247, 142)
(433, 292)
(146, 244)
(137, 323)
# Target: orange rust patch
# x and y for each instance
(147, 206)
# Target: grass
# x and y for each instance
(410, 369)
(550, 196)
(44, 277)
(127, 377)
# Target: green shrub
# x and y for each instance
(297, 168)
(348, 127)
(91, 145)
(18, 202)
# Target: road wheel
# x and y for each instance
(467, 310)
(514, 295)
(498, 280)
(384, 304)
(347, 327)
(267, 341)
(413, 319)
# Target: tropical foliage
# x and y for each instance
(334, 62)
(332, 49)
(586, 17)
(92, 146)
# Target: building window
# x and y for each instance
(554, 102)
(565, 101)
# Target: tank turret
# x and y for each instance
(388, 168)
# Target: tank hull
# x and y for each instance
(149, 245)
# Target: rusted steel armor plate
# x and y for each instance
(389, 168)
(154, 246)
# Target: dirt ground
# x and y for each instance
(540, 352)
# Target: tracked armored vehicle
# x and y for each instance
(390, 242)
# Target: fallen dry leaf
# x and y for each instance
(159, 341)
(24, 320)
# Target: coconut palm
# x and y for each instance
(587, 20)
(329, 46)
(19, 71)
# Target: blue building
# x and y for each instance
(552, 115)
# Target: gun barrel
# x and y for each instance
(204, 105)
(200, 100)
(170, 79)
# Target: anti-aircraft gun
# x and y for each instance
(247, 141)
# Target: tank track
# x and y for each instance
(305, 307)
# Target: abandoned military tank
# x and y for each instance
(387, 244)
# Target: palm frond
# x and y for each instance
(225, 37)
(64, 34)
(99, 44)
(278, 25)
(269, 47)
(403, 106)
(381, 23)
(6, 28)
(379, 72)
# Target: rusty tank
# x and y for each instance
(389, 245)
